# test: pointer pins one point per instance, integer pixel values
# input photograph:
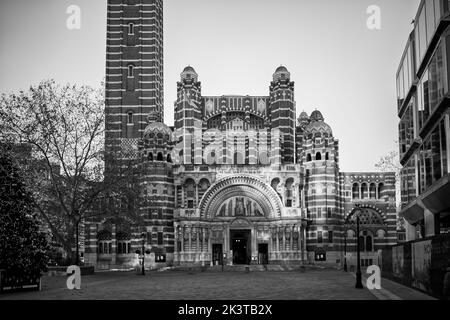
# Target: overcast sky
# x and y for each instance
(339, 66)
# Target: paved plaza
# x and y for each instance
(180, 285)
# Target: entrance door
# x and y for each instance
(240, 245)
(263, 253)
(217, 254)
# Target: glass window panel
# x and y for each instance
(437, 11)
(408, 70)
(435, 144)
(417, 45)
(429, 4)
(444, 147)
(422, 34)
(411, 63)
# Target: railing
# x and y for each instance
(14, 282)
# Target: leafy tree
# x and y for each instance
(23, 245)
(65, 127)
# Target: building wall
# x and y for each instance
(423, 110)
(274, 182)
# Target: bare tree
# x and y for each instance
(65, 127)
(391, 163)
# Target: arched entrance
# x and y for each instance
(248, 195)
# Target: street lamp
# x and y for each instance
(356, 212)
(143, 252)
(358, 284)
(345, 250)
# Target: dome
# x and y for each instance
(189, 69)
(317, 116)
(156, 128)
(189, 73)
(281, 69)
(303, 119)
(281, 73)
(319, 127)
(317, 124)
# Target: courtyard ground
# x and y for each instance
(181, 285)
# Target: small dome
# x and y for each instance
(189, 74)
(303, 119)
(319, 127)
(156, 128)
(281, 73)
(317, 124)
(189, 69)
(281, 69)
(303, 115)
(317, 116)
(153, 116)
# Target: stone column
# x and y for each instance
(182, 197)
(284, 238)
(190, 239)
(254, 241)
(196, 195)
(410, 231)
(430, 229)
(176, 196)
(291, 243)
(278, 240)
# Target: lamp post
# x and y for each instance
(358, 284)
(142, 253)
(345, 251)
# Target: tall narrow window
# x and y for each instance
(160, 239)
(130, 71)
(330, 236)
(130, 117)
(319, 237)
(131, 29)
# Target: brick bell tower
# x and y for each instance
(282, 111)
(134, 72)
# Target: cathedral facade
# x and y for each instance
(237, 179)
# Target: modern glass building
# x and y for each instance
(424, 129)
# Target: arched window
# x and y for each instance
(380, 190)
(104, 245)
(150, 156)
(123, 243)
(369, 244)
(364, 191)
(190, 193)
(327, 156)
(130, 117)
(308, 158)
(160, 157)
(361, 243)
(318, 156)
(130, 71)
(131, 28)
(355, 191)
(169, 158)
(289, 192)
(372, 191)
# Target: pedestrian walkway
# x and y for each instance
(327, 284)
(391, 290)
